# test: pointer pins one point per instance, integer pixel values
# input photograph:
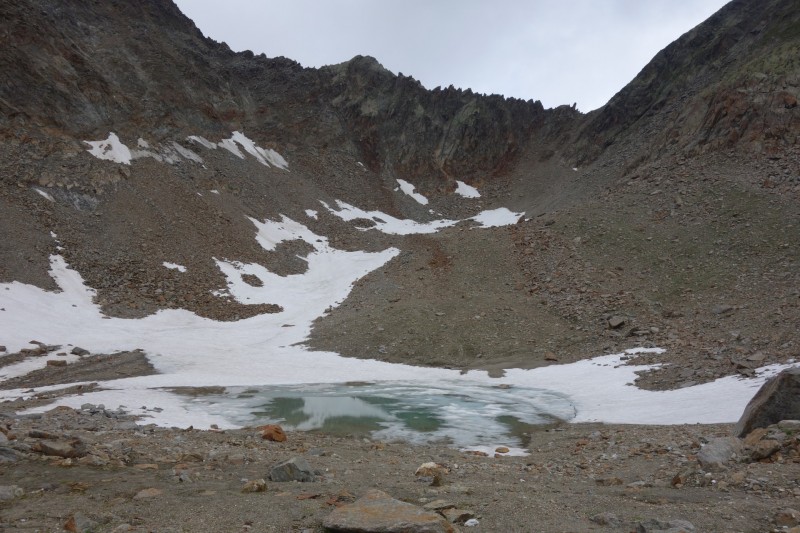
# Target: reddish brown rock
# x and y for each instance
(273, 432)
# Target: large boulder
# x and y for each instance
(777, 400)
(295, 469)
(714, 455)
(377, 512)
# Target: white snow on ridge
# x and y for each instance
(467, 191)
(110, 149)
(408, 188)
(310, 213)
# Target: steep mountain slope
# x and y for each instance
(733, 81)
(685, 184)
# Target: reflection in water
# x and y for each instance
(466, 415)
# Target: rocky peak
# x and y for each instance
(732, 80)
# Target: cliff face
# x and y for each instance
(732, 81)
(82, 69)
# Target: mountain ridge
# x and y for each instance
(685, 128)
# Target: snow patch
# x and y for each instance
(395, 226)
(230, 146)
(174, 266)
(409, 188)
(202, 141)
(493, 218)
(110, 149)
(387, 223)
(44, 194)
(310, 213)
(467, 191)
(265, 156)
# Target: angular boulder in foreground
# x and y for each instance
(376, 511)
(778, 399)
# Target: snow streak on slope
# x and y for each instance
(467, 191)
(387, 223)
(112, 149)
(409, 188)
(396, 226)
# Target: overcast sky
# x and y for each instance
(556, 51)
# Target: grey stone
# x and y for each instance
(717, 452)
(665, 526)
(777, 400)
(787, 518)
(7, 455)
(68, 450)
(457, 516)
(377, 512)
(10, 492)
(295, 469)
(79, 351)
(80, 523)
(606, 519)
(438, 505)
(789, 425)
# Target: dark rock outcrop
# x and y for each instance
(778, 399)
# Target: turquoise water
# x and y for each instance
(461, 414)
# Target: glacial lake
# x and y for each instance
(466, 415)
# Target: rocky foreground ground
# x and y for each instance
(99, 470)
